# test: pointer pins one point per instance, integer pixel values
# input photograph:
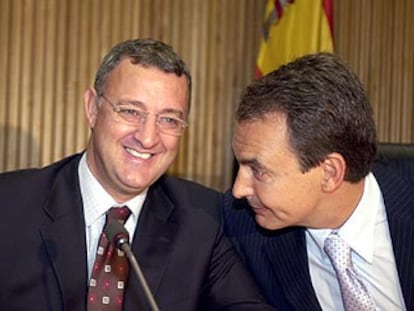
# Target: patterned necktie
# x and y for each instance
(110, 270)
(355, 295)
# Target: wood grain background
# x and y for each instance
(49, 51)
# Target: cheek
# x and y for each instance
(171, 143)
(108, 135)
(104, 125)
(269, 196)
(113, 130)
(284, 194)
(298, 197)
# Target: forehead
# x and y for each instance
(262, 138)
(137, 82)
(127, 71)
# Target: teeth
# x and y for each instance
(137, 154)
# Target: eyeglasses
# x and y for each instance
(167, 122)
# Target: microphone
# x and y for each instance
(118, 235)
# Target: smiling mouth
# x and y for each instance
(136, 154)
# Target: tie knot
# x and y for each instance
(338, 251)
(354, 293)
(119, 213)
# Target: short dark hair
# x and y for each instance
(326, 108)
(145, 52)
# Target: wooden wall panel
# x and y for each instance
(51, 49)
(377, 38)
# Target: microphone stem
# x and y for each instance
(127, 249)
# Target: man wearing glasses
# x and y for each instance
(55, 256)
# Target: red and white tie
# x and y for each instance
(110, 270)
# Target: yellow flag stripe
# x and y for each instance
(303, 28)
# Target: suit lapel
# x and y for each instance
(399, 204)
(152, 244)
(64, 236)
(288, 256)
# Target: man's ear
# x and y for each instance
(91, 106)
(333, 170)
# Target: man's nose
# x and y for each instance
(148, 132)
(242, 185)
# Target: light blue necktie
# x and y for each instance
(354, 293)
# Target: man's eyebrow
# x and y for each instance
(136, 103)
(141, 105)
(174, 111)
(252, 162)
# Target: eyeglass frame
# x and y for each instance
(143, 117)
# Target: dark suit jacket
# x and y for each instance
(278, 259)
(179, 243)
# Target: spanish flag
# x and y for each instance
(293, 28)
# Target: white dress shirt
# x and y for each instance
(367, 233)
(96, 202)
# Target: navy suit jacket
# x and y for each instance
(278, 259)
(179, 243)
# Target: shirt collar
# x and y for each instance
(96, 200)
(358, 230)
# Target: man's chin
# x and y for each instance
(267, 223)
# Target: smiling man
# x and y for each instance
(55, 255)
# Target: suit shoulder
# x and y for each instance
(187, 187)
(389, 168)
(191, 196)
(33, 180)
(397, 188)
